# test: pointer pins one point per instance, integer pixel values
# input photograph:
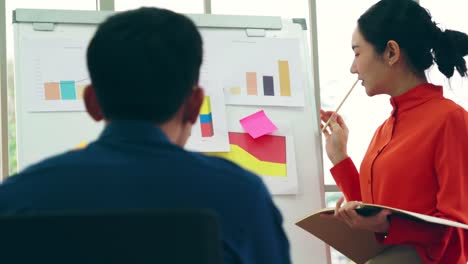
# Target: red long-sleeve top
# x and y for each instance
(417, 161)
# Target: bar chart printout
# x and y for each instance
(59, 74)
(262, 72)
(267, 82)
(209, 133)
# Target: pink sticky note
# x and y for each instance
(257, 124)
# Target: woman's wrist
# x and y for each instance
(338, 158)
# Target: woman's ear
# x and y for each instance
(92, 104)
(392, 52)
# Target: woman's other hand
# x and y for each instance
(336, 136)
(378, 223)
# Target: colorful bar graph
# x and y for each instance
(251, 80)
(284, 78)
(268, 88)
(51, 91)
(67, 90)
(206, 120)
(64, 90)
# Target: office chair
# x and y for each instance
(131, 237)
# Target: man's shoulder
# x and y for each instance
(42, 167)
(55, 160)
(214, 168)
(170, 162)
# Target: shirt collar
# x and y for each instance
(133, 131)
(415, 96)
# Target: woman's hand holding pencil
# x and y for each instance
(341, 103)
(336, 136)
(336, 132)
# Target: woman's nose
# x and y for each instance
(353, 68)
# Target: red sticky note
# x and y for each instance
(258, 124)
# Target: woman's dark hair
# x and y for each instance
(420, 39)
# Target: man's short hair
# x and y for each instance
(144, 63)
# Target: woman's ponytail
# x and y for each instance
(450, 47)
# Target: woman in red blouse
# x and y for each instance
(418, 158)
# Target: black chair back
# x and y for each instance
(130, 237)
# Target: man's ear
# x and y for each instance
(193, 105)
(91, 103)
(392, 52)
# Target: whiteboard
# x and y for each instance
(44, 133)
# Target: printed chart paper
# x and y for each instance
(258, 71)
(210, 132)
(58, 68)
(270, 156)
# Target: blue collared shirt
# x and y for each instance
(134, 165)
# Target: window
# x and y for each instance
(11, 5)
(182, 6)
(330, 201)
(336, 21)
(362, 114)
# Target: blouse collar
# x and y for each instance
(416, 96)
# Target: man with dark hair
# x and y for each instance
(144, 66)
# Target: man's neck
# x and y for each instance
(175, 131)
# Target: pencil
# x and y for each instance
(339, 106)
